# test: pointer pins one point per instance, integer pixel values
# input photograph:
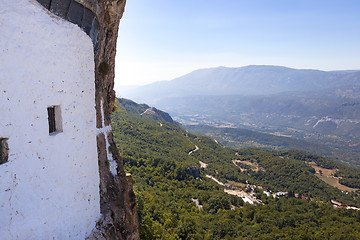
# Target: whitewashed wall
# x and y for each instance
(49, 188)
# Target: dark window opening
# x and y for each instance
(51, 118)
(4, 151)
(54, 118)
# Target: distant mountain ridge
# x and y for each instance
(249, 80)
(321, 107)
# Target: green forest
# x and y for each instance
(177, 201)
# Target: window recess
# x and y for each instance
(4, 151)
(55, 120)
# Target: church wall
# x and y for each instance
(49, 188)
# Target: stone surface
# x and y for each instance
(81, 13)
(94, 35)
(193, 171)
(75, 13)
(87, 21)
(49, 187)
(117, 199)
(60, 7)
(45, 3)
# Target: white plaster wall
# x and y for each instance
(49, 188)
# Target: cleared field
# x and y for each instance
(335, 183)
(237, 184)
(253, 166)
(327, 175)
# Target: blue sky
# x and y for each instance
(163, 39)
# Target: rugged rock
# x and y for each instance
(157, 115)
(118, 202)
(193, 171)
(145, 111)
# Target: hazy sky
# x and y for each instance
(164, 39)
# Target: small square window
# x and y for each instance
(4, 151)
(54, 118)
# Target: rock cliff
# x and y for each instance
(118, 203)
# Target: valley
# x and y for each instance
(311, 119)
(174, 172)
(317, 109)
(239, 138)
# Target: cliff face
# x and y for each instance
(118, 203)
(100, 20)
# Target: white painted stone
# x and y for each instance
(105, 130)
(49, 188)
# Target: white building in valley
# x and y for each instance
(49, 174)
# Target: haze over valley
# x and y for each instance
(316, 106)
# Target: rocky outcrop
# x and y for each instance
(149, 113)
(193, 171)
(100, 20)
(157, 115)
(118, 203)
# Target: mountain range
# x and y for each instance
(321, 107)
(249, 80)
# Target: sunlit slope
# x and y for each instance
(176, 203)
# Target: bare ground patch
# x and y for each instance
(327, 175)
(203, 165)
(253, 166)
(237, 184)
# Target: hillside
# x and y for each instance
(177, 198)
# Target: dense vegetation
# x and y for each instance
(157, 155)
